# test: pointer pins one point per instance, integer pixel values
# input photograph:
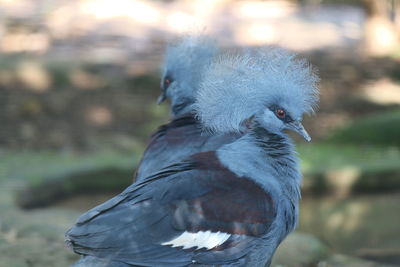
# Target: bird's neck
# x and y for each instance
(181, 106)
(277, 147)
(280, 155)
(261, 152)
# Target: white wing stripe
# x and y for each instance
(199, 239)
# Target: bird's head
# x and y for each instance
(270, 87)
(183, 67)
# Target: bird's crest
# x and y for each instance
(186, 58)
(235, 87)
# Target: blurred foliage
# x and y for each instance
(348, 169)
(342, 2)
(47, 177)
(32, 166)
(326, 157)
(395, 73)
(378, 129)
(74, 105)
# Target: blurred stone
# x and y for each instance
(364, 226)
(300, 249)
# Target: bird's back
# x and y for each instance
(177, 140)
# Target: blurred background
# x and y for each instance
(78, 84)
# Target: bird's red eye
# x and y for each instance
(167, 81)
(280, 113)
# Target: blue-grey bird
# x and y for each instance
(229, 207)
(182, 136)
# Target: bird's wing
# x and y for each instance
(197, 211)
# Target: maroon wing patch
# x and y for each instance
(234, 205)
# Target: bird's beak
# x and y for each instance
(298, 127)
(161, 98)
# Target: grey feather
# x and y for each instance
(184, 62)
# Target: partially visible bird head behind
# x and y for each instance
(183, 68)
(270, 87)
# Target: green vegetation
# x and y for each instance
(378, 129)
(322, 157)
(47, 177)
(350, 168)
(33, 167)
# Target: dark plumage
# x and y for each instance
(132, 227)
(228, 207)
